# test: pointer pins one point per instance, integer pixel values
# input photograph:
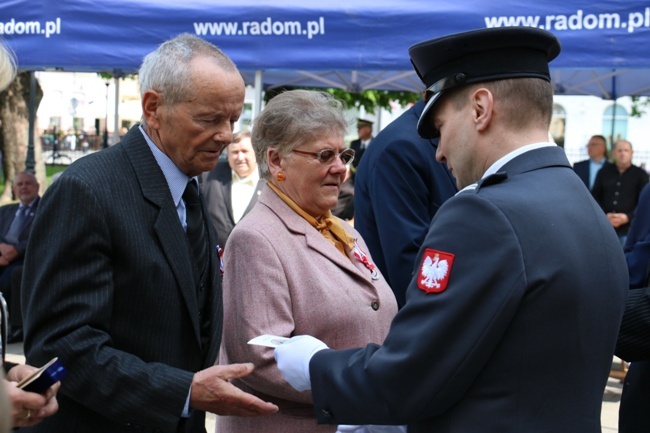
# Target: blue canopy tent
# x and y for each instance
(345, 44)
(335, 43)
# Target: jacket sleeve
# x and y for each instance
(434, 350)
(633, 343)
(407, 173)
(69, 304)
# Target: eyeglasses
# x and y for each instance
(328, 156)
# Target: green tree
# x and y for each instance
(370, 100)
(639, 105)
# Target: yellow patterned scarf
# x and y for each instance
(328, 225)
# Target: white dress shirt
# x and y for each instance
(241, 192)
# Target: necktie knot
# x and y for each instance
(191, 194)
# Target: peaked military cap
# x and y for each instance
(363, 122)
(477, 56)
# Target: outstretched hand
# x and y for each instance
(293, 358)
(212, 392)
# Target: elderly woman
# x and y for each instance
(292, 268)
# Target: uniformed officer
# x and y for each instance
(519, 268)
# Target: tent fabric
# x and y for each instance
(336, 43)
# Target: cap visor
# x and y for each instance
(425, 125)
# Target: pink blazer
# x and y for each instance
(282, 277)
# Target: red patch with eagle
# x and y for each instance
(434, 271)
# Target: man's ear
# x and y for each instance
(482, 108)
(151, 104)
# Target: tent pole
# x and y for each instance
(613, 112)
(29, 161)
(258, 94)
(116, 121)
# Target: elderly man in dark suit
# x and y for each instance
(509, 275)
(122, 277)
(15, 225)
(231, 188)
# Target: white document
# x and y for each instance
(268, 340)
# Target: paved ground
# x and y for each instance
(609, 414)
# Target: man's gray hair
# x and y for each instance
(166, 70)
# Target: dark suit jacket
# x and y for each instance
(633, 342)
(216, 188)
(399, 187)
(7, 214)
(358, 151)
(526, 283)
(108, 288)
(582, 169)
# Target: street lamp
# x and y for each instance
(105, 145)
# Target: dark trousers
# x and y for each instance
(10, 277)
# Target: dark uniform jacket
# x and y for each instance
(534, 271)
(399, 187)
(633, 344)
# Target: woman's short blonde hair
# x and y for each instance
(293, 118)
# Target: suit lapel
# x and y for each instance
(168, 227)
(225, 183)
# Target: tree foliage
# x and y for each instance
(639, 105)
(370, 100)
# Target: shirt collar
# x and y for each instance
(507, 158)
(176, 179)
(249, 180)
(512, 155)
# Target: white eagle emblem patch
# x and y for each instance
(434, 271)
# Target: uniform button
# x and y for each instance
(616, 193)
(614, 202)
(375, 305)
(618, 183)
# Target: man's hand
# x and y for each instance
(617, 219)
(29, 408)
(293, 358)
(212, 392)
(8, 253)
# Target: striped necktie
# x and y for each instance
(196, 232)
